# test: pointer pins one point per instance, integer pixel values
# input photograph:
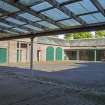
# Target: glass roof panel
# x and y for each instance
(15, 21)
(33, 27)
(81, 7)
(41, 6)
(29, 2)
(55, 14)
(94, 18)
(8, 7)
(20, 30)
(100, 17)
(69, 22)
(5, 25)
(48, 25)
(61, 1)
(102, 2)
(30, 17)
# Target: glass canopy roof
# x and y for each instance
(36, 16)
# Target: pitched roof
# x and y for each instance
(71, 43)
(52, 41)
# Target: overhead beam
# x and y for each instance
(60, 31)
(69, 2)
(66, 11)
(98, 6)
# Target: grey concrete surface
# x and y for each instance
(15, 91)
(18, 87)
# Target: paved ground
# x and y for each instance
(83, 84)
(49, 67)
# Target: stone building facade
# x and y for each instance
(19, 50)
(51, 49)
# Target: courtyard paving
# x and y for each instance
(74, 84)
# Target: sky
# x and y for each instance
(61, 36)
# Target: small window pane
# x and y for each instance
(23, 45)
(48, 25)
(55, 14)
(15, 21)
(81, 7)
(41, 6)
(70, 22)
(30, 17)
(8, 7)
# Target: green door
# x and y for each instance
(58, 54)
(3, 55)
(50, 54)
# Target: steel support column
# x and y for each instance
(95, 55)
(78, 58)
(31, 54)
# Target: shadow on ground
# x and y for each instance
(85, 84)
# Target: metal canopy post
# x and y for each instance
(31, 54)
(78, 58)
(95, 55)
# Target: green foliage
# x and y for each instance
(80, 35)
(69, 36)
(100, 34)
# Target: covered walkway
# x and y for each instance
(34, 18)
(29, 19)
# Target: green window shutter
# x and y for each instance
(49, 54)
(3, 55)
(59, 54)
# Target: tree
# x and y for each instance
(100, 34)
(69, 36)
(80, 35)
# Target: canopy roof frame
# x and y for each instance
(98, 6)
(48, 25)
(66, 11)
(57, 32)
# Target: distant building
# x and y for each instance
(52, 49)
(86, 50)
